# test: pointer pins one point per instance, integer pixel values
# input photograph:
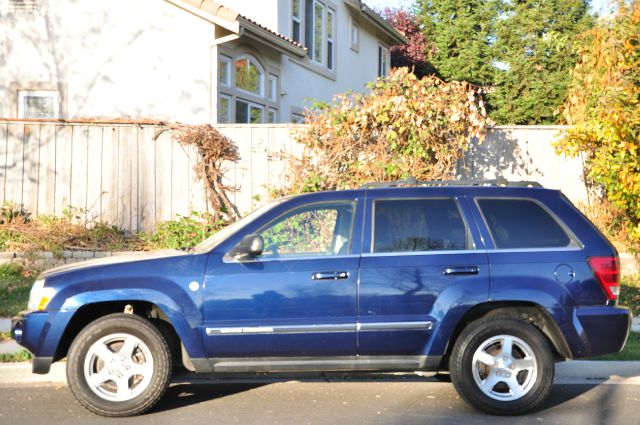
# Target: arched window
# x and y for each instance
(248, 92)
(249, 75)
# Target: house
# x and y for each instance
(192, 61)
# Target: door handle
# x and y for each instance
(329, 275)
(460, 270)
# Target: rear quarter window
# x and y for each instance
(522, 223)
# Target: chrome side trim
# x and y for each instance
(228, 260)
(290, 329)
(516, 250)
(394, 326)
(415, 253)
(330, 328)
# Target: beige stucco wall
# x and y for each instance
(138, 58)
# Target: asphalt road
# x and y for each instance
(392, 403)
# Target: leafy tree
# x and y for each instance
(461, 34)
(604, 107)
(523, 49)
(413, 55)
(404, 126)
(535, 41)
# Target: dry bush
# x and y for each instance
(72, 231)
(403, 127)
(611, 221)
(214, 149)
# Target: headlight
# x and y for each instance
(39, 296)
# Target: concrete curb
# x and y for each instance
(571, 372)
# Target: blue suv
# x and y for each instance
(492, 283)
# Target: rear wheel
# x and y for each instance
(502, 366)
(119, 365)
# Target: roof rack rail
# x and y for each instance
(408, 182)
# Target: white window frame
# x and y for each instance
(54, 94)
(308, 34)
(330, 39)
(318, 53)
(230, 116)
(273, 88)
(383, 61)
(297, 20)
(17, 7)
(225, 61)
(250, 59)
(271, 111)
(266, 101)
(354, 35)
(250, 105)
(297, 118)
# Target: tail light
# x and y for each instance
(607, 273)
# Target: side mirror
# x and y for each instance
(249, 247)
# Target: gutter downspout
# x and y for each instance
(213, 73)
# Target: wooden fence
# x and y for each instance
(121, 175)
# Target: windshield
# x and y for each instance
(215, 240)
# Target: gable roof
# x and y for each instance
(236, 25)
(372, 16)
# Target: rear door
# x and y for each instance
(419, 263)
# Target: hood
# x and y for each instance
(116, 259)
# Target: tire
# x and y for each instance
(496, 379)
(119, 365)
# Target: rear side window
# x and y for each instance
(418, 225)
(521, 223)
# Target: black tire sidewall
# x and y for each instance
(119, 324)
(462, 359)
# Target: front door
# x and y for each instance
(296, 299)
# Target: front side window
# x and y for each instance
(38, 104)
(324, 229)
(418, 225)
(521, 224)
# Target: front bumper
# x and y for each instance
(30, 329)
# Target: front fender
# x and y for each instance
(179, 309)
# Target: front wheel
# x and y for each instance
(119, 365)
(502, 366)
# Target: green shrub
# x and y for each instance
(15, 284)
(182, 233)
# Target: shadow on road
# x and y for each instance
(183, 395)
(561, 394)
(186, 392)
